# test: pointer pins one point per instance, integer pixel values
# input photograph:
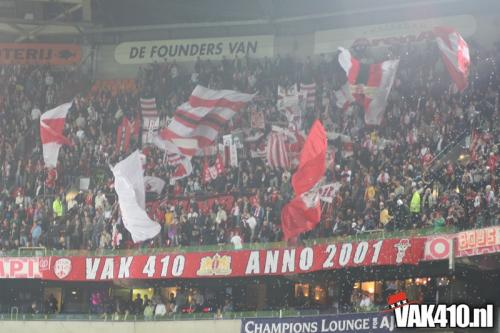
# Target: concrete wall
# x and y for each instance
(200, 326)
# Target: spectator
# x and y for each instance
(236, 241)
(148, 311)
(160, 309)
(138, 305)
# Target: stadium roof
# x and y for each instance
(132, 12)
(41, 19)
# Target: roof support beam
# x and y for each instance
(34, 32)
(74, 2)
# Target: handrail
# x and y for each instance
(186, 316)
(13, 310)
(374, 234)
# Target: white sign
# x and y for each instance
(327, 192)
(150, 129)
(379, 35)
(233, 155)
(144, 52)
(84, 184)
(227, 140)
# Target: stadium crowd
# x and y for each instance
(402, 175)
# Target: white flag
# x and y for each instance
(129, 185)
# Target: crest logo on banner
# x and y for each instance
(402, 246)
(62, 267)
(216, 265)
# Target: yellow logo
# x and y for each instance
(215, 265)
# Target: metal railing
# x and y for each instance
(372, 234)
(178, 316)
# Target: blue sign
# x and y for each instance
(346, 323)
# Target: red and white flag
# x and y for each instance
(197, 122)
(303, 213)
(183, 167)
(150, 119)
(51, 133)
(343, 97)
(154, 184)
(126, 131)
(328, 191)
(455, 54)
(211, 173)
(277, 151)
(173, 156)
(310, 90)
(370, 84)
(292, 103)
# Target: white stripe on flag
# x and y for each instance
(201, 118)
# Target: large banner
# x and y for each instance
(387, 34)
(19, 268)
(38, 54)
(347, 323)
(244, 263)
(479, 241)
(145, 52)
(466, 244)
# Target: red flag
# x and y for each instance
(312, 165)
(301, 214)
(206, 175)
(455, 54)
(304, 212)
(123, 133)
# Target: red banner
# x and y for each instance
(476, 242)
(39, 53)
(467, 244)
(237, 263)
(19, 268)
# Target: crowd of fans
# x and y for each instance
(404, 174)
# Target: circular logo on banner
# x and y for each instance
(62, 268)
(439, 248)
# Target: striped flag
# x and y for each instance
(277, 151)
(370, 84)
(455, 54)
(125, 132)
(197, 122)
(310, 90)
(150, 119)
